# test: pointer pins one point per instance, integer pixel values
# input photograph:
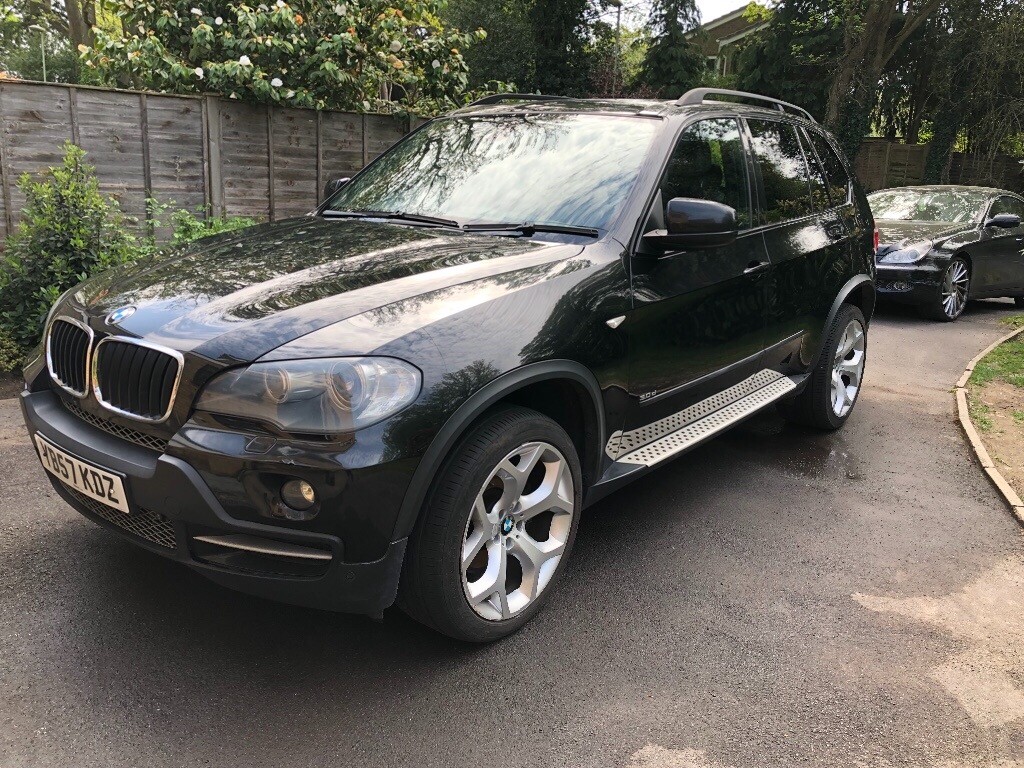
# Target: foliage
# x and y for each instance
(561, 30)
(791, 58)
(188, 226)
(507, 53)
(68, 230)
(1004, 363)
(673, 63)
(11, 356)
(382, 55)
(617, 64)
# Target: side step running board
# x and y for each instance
(699, 421)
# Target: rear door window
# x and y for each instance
(708, 163)
(784, 175)
(835, 171)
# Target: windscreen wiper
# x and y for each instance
(529, 228)
(415, 218)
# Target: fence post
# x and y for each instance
(5, 169)
(215, 179)
(319, 155)
(147, 179)
(270, 159)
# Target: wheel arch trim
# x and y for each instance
(485, 397)
(855, 283)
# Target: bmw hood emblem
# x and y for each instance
(119, 315)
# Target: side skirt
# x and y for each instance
(643, 448)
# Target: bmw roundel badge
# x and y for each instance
(123, 313)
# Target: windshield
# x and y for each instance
(571, 170)
(956, 206)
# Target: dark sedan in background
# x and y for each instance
(943, 245)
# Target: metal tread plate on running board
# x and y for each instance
(626, 442)
(697, 431)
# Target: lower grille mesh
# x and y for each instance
(125, 433)
(152, 527)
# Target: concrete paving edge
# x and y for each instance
(1013, 501)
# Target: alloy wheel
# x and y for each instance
(848, 368)
(955, 283)
(517, 531)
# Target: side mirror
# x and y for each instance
(334, 185)
(692, 223)
(1004, 221)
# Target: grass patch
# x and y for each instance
(1005, 362)
(1018, 417)
(980, 413)
(1014, 321)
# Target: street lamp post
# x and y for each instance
(42, 44)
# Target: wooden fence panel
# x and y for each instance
(110, 132)
(195, 152)
(295, 165)
(37, 122)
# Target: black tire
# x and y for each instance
(937, 309)
(813, 407)
(1019, 301)
(431, 589)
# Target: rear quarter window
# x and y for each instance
(834, 168)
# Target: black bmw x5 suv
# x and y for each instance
(412, 393)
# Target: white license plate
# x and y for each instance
(85, 478)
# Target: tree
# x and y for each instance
(873, 32)
(507, 54)
(673, 64)
(560, 39)
(360, 54)
(792, 58)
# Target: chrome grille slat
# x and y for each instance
(135, 378)
(68, 348)
(144, 524)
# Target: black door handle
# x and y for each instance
(756, 266)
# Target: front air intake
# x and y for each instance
(136, 379)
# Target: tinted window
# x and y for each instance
(708, 164)
(548, 169)
(819, 185)
(1007, 205)
(784, 176)
(835, 172)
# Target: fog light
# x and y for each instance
(298, 494)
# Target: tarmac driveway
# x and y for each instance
(774, 598)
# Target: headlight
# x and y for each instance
(908, 255)
(322, 396)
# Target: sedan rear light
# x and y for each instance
(877, 239)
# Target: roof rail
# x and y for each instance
(497, 98)
(700, 95)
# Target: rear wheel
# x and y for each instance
(496, 530)
(834, 385)
(951, 299)
(1019, 301)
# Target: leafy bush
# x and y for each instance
(68, 231)
(11, 356)
(188, 226)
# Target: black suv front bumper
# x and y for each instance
(171, 504)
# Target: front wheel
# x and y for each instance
(496, 529)
(951, 299)
(834, 385)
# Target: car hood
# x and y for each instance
(899, 234)
(235, 297)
